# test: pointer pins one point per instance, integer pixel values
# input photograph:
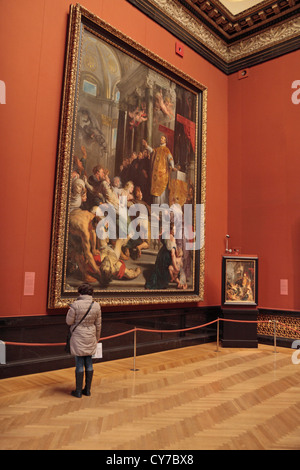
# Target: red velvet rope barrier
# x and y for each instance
(154, 331)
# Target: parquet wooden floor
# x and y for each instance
(186, 399)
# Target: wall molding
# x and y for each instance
(276, 40)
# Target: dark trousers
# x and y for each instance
(83, 362)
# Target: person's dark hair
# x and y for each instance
(85, 289)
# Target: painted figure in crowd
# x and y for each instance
(162, 163)
(92, 259)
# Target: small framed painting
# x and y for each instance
(240, 280)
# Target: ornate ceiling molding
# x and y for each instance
(233, 27)
(234, 47)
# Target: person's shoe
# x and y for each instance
(88, 382)
(79, 381)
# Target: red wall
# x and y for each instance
(32, 38)
(252, 130)
(263, 177)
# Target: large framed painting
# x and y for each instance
(129, 204)
(240, 280)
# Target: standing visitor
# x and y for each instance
(84, 319)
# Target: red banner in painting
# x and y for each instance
(189, 129)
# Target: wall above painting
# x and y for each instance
(232, 35)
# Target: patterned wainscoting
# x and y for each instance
(285, 323)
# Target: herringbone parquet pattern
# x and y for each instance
(186, 399)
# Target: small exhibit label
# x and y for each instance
(29, 283)
(284, 287)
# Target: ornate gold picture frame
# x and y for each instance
(129, 205)
(240, 280)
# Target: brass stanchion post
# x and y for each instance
(275, 336)
(218, 334)
(134, 350)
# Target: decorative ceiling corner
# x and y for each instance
(231, 34)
